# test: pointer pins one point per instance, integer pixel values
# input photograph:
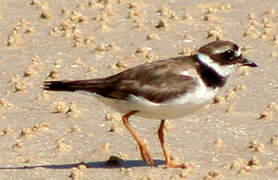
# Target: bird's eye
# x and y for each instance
(229, 54)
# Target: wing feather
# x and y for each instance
(157, 82)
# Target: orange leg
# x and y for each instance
(168, 158)
(143, 148)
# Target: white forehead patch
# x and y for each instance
(224, 70)
(238, 52)
(219, 51)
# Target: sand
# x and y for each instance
(58, 135)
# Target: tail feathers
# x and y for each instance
(87, 85)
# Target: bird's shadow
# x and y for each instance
(100, 164)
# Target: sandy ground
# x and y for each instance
(57, 135)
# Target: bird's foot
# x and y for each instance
(170, 164)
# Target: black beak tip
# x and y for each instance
(249, 63)
(252, 65)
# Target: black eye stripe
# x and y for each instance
(229, 54)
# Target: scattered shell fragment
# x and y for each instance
(54, 74)
(252, 32)
(60, 107)
(75, 128)
(230, 109)
(26, 132)
(257, 147)
(135, 12)
(240, 87)
(82, 166)
(65, 11)
(116, 128)
(151, 55)
(247, 48)
(14, 38)
(190, 168)
(8, 131)
(225, 6)
(266, 115)
(104, 48)
(29, 160)
(218, 143)
(19, 84)
(271, 105)
(27, 26)
(73, 111)
(187, 16)
(78, 62)
(29, 132)
(30, 71)
(244, 70)
(187, 38)
(230, 94)
(45, 15)
(36, 65)
(58, 63)
(41, 127)
(237, 164)
(4, 103)
(271, 12)
(44, 96)
(212, 10)
(251, 16)
(138, 24)
(274, 140)
(121, 64)
(185, 52)
(245, 167)
(212, 175)
(211, 18)
(17, 146)
(76, 16)
(115, 116)
(105, 148)
(76, 174)
(153, 36)
(40, 5)
(162, 24)
(128, 171)
(254, 162)
(62, 146)
(166, 12)
(275, 39)
(215, 33)
(142, 50)
(219, 100)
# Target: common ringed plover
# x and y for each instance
(165, 89)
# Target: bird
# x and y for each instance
(164, 89)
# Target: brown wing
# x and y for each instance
(157, 82)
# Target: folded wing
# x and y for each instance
(156, 82)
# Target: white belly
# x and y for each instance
(164, 111)
(179, 107)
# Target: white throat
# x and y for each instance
(221, 70)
